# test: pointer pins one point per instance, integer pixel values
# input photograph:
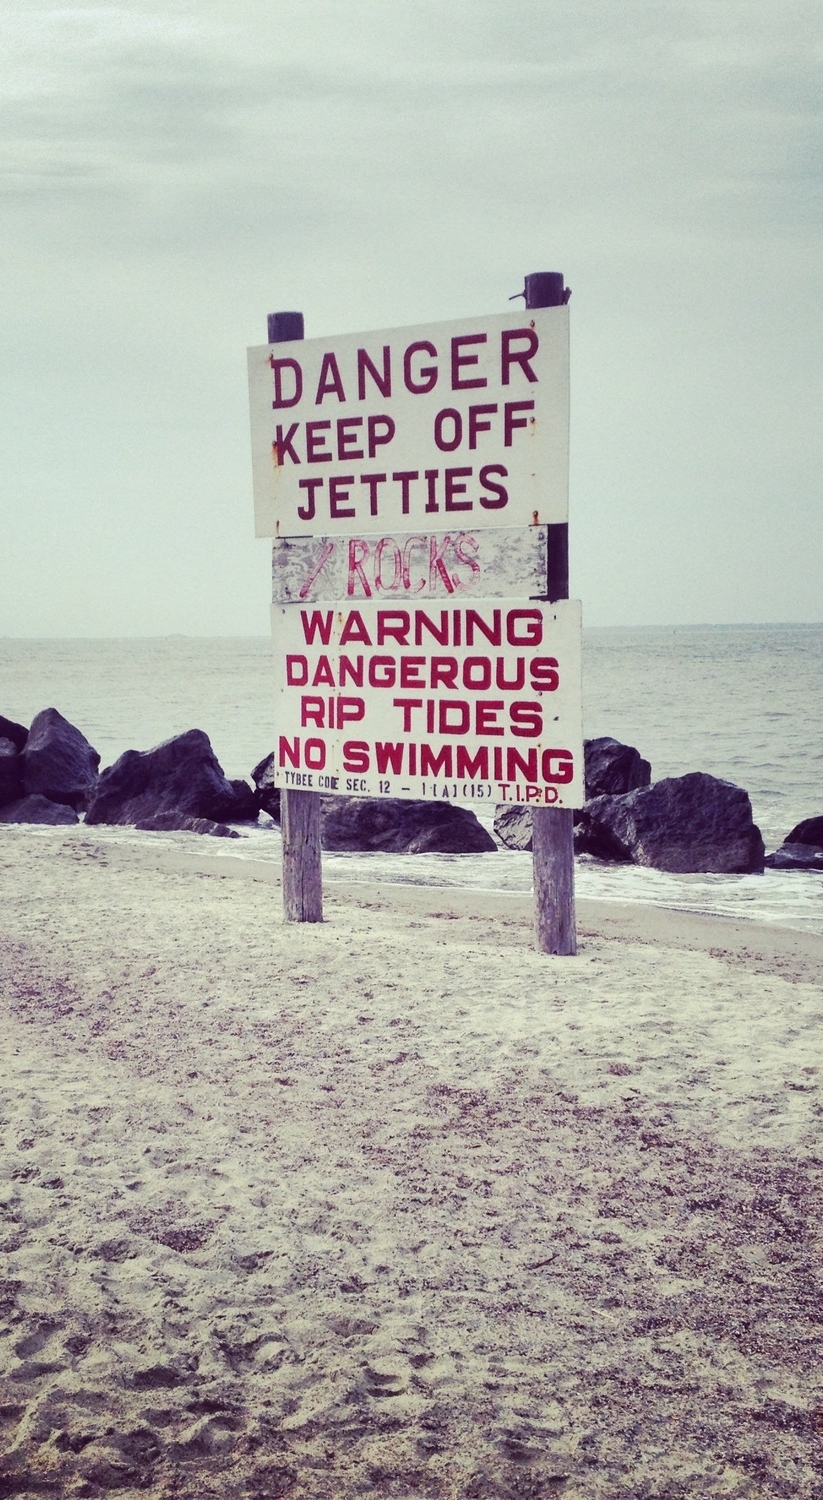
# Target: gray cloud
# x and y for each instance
(169, 172)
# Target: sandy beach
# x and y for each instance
(394, 1205)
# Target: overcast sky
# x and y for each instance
(173, 171)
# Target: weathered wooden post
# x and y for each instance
(553, 833)
(299, 811)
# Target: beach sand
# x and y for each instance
(394, 1205)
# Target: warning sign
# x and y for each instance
(454, 424)
(476, 702)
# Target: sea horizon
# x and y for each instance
(258, 635)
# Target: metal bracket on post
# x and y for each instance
(299, 811)
(553, 827)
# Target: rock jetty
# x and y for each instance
(684, 824)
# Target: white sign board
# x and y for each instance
(426, 428)
(474, 702)
(413, 566)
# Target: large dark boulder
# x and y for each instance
(37, 809)
(796, 856)
(11, 774)
(683, 824)
(247, 808)
(182, 776)
(810, 831)
(266, 793)
(513, 825)
(392, 826)
(57, 761)
(14, 732)
(612, 768)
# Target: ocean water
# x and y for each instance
(742, 702)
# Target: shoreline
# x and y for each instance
(394, 1204)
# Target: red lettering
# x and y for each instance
(278, 366)
(410, 543)
(431, 485)
(465, 550)
(444, 672)
(365, 366)
(297, 671)
(475, 424)
(510, 356)
(527, 720)
(439, 633)
(312, 711)
(453, 488)
(316, 451)
(358, 552)
(346, 438)
(355, 629)
(379, 551)
(454, 716)
(330, 383)
(531, 621)
(284, 446)
(476, 768)
(485, 717)
(511, 422)
(315, 754)
(445, 443)
(349, 711)
(475, 621)
(544, 674)
(426, 376)
(435, 765)
(381, 430)
(459, 383)
(410, 668)
(316, 624)
(289, 752)
(382, 672)
(389, 757)
(372, 480)
(339, 488)
(408, 706)
(393, 625)
(323, 675)
(501, 679)
(517, 767)
(355, 755)
(477, 674)
(306, 512)
(326, 551)
(353, 670)
(405, 478)
(437, 568)
(558, 766)
(500, 492)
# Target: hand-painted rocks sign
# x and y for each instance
(474, 702)
(454, 424)
(415, 565)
